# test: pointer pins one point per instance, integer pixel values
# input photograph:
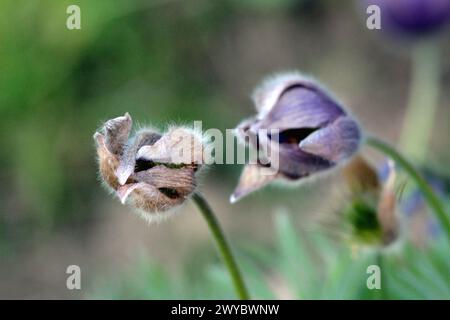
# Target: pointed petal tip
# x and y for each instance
(122, 180)
(124, 192)
(127, 117)
(234, 198)
(253, 177)
(123, 174)
(142, 152)
(123, 200)
(97, 136)
(118, 122)
(335, 142)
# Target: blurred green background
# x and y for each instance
(176, 61)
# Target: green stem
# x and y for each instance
(427, 191)
(423, 100)
(222, 245)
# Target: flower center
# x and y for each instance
(294, 136)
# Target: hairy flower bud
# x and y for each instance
(372, 205)
(314, 132)
(150, 171)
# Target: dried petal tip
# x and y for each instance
(149, 171)
(303, 129)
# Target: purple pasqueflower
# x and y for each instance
(314, 133)
(413, 17)
(412, 205)
(415, 202)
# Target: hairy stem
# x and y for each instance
(222, 246)
(427, 191)
(423, 100)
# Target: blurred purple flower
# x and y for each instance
(413, 206)
(415, 200)
(413, 17)
(313, 132)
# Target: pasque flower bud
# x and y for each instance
(150, 171)
(413, 17)
(371, 210)
(315, 133)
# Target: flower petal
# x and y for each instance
(117, 131)
(128, 159)
(294, 163)
(253, 177)
(107, 161)
(301, 107)
(178, 146)
(335, 142)
(180, 179)
(123, 192)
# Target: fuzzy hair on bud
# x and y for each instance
(150, 171)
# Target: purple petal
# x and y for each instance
(335, 142)
(301, 107)
(253, 177)
(294, 163)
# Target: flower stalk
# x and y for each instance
(222, 245)
(427, 191)
(423, 100)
